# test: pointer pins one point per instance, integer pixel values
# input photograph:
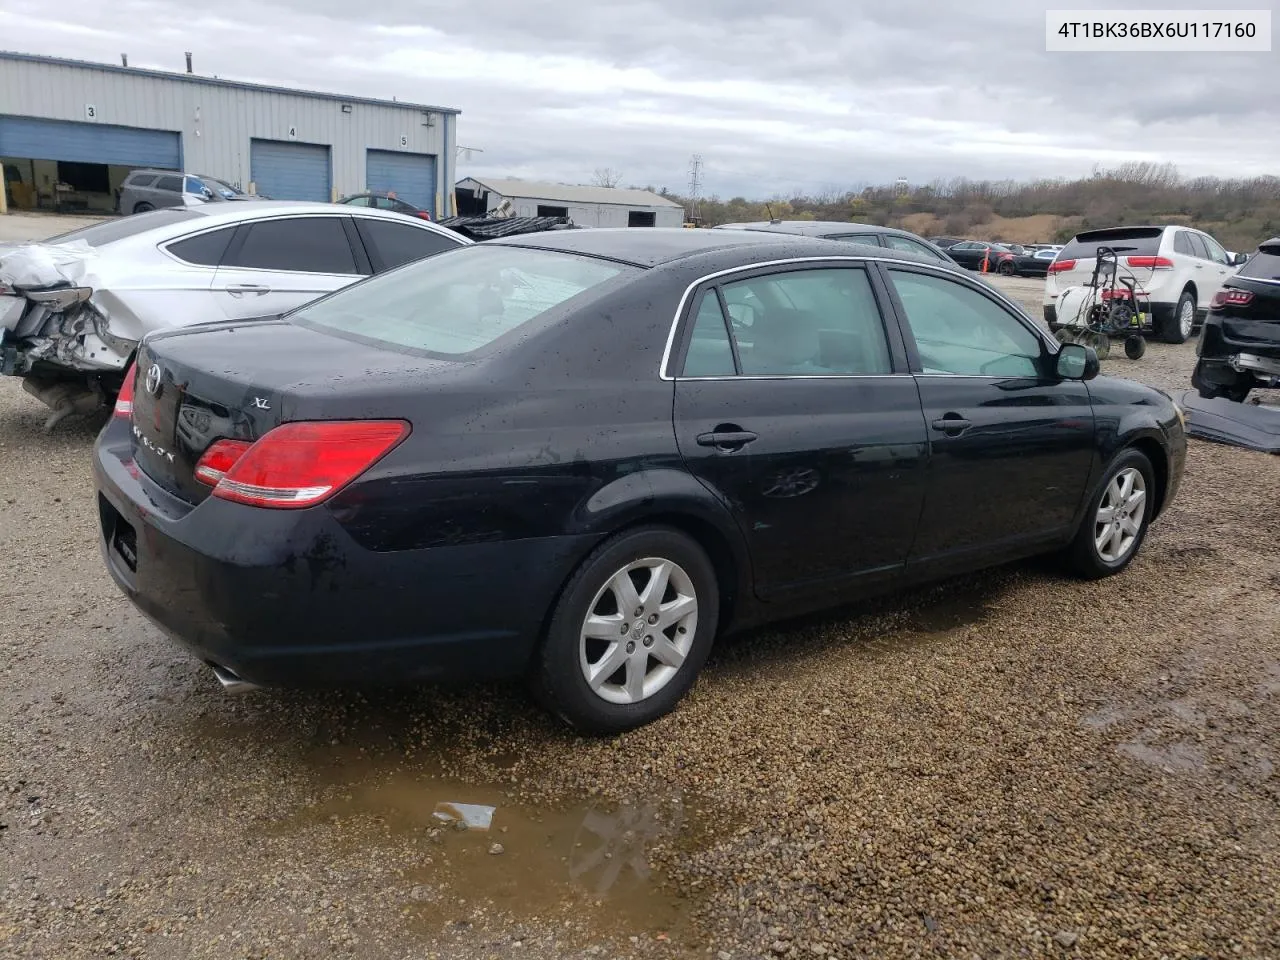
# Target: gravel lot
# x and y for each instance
(1010, 765)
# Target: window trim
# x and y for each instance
(377, 264)
(894, 331)
(1049, 348)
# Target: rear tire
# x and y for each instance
(143, 207)
(1115, 524)
(1179, 327)
(667, 635)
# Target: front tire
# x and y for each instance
(629, 633)
(1006, 269)
(143, 207)
(1116, 522)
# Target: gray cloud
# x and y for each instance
(776, 97)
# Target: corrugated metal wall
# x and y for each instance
(217, 122)
(594, 214)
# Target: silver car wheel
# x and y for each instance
(1119, 518)
(638, 630)
(1187, 317)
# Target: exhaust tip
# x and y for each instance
(231, 682)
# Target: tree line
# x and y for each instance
(1241, 212)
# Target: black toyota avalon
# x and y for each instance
(580, 457)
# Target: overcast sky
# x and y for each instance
(775, 96)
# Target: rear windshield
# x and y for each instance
(1132, 242)
(122, 227)
(460, 301)
(1263, 265)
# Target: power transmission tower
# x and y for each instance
(695, 188)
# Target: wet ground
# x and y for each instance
(1012, 764)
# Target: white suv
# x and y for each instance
(1178, 268)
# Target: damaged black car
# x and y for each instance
(1239, 347)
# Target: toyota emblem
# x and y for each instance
(153, 380)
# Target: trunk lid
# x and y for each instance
(239, 380)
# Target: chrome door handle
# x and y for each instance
(727, 440)
(241, 289)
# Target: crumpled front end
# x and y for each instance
(54, 329)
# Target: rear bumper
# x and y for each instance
(1229, 359)
(287, 598)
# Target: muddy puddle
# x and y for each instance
(472, 861)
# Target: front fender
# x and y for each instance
(1141, 418)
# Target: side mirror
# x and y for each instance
(1077, 362)
(1239, 259)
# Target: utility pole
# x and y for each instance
(695, 189)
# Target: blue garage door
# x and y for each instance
(290, 171)
(73, 142)
(411, 176)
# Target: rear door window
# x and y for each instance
(391, 245)
(1182, 244)
(823, 322)
(142, 180)
(297, 245)
(169, 183)
(1198, 247)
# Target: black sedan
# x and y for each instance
(972, 253)
(580, 456)
(1239, 346)
(1034, 263)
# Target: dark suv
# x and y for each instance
(1239, 346)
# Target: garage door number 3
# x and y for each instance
(90, 112)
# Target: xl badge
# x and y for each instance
(153, 380)
(261, 403)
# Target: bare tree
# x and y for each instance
(606, 177)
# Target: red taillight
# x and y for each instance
(302, 464)
(1232, 298)
(1060, 265)
(1151, 263)
(424, 215)
(220, 458)
(124, 399)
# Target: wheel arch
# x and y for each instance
(675, 500)
(1153, 450)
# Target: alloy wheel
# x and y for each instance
(1186, 317)
(1119, 519)
(638, 630)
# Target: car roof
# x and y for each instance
(238, 211)
(650, 246)
(814, 228)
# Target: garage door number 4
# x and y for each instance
(293, 133)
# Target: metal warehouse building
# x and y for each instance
(586, 206)
(70, 131)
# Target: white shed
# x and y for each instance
(585, 206)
